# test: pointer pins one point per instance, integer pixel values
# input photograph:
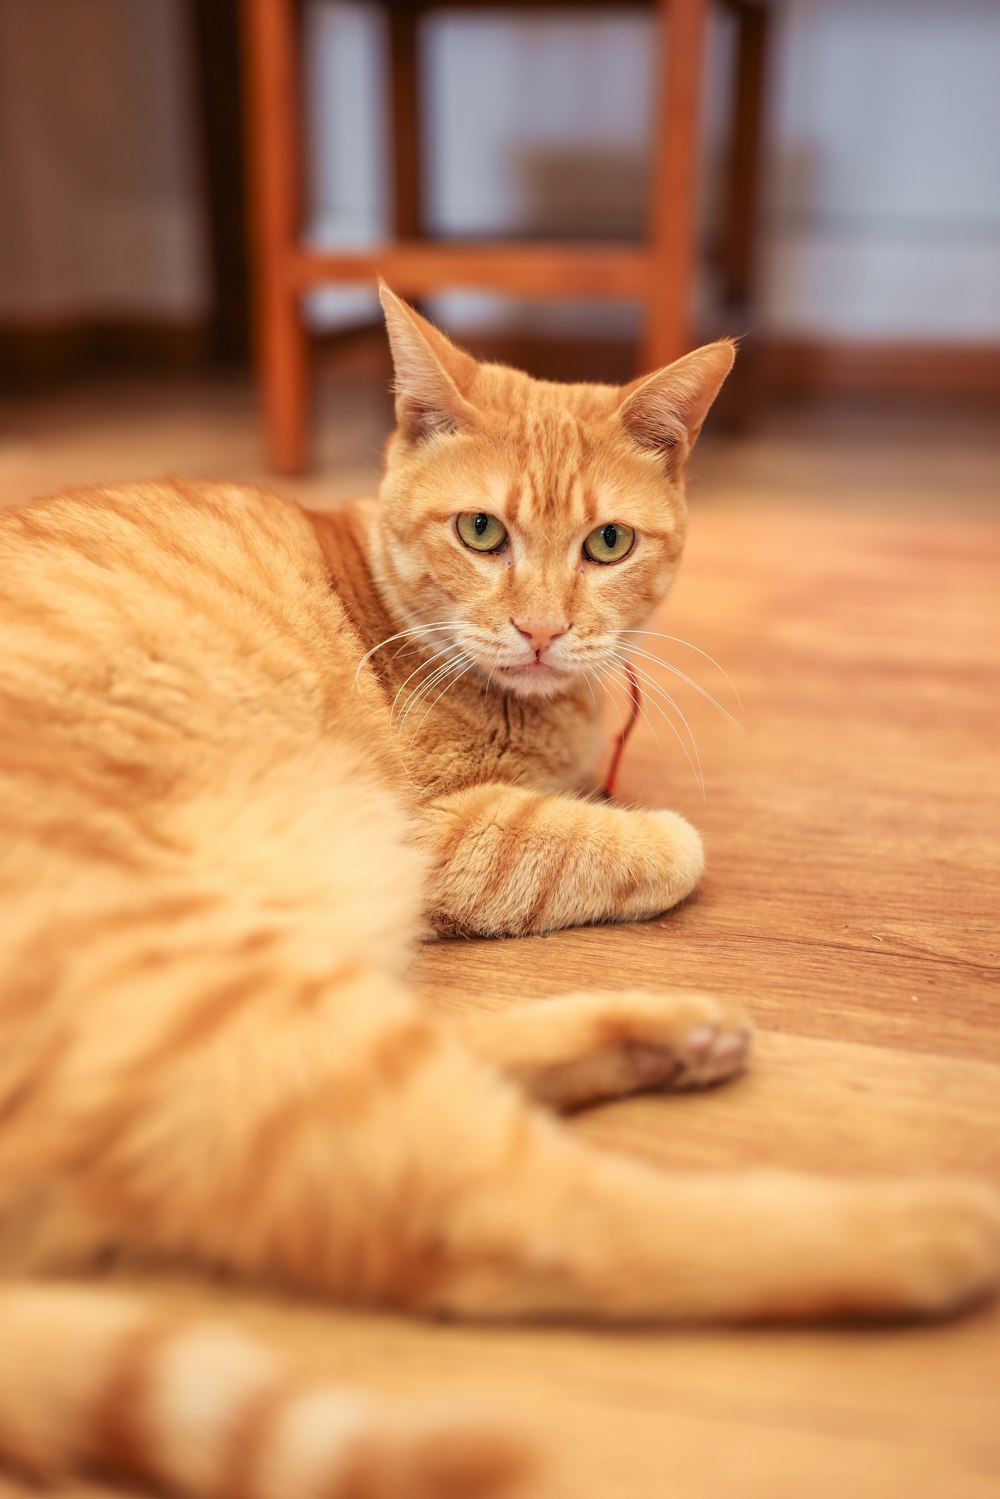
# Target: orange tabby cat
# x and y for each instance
(226, 815)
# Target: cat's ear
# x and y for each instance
(665, 411)
(429, 372)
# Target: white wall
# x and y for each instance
(882, 214)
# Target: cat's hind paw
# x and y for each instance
(676, 1041)
(586, 1048)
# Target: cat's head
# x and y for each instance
(527, 523)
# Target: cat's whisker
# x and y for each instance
(439, 672)
(419, 692)
(400, 655)
(623, 664)
(431, 629)
(586, 678)
(424, 687)
(489, 679)
(463, 669)
(655, 689)
(451, 646)
(598, 677)
(634, 650)
(659, 635)
(445, 677)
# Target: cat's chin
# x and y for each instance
(537, 681)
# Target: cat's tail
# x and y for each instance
(98, 1382)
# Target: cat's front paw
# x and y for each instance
(680, 858)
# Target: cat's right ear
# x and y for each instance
(429, 373)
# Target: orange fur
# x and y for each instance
(230, 803)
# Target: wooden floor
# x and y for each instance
(845, 569)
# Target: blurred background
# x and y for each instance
(868, 284)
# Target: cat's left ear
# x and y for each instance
(665, 411)
(430, 372)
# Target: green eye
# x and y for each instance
(483, 533)
(609, 543)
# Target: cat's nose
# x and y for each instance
(539, 636)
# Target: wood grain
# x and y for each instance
(848, 582)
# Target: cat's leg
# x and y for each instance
(510, 861)
(580, 1049)
(569, 1232)
(333, 1138)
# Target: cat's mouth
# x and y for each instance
(532, 677)
(533, 668)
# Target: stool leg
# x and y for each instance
(742, 206)
(406, 154)
(743, 176)
(275, 157)
(681, 46)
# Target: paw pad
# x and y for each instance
(709, 1054)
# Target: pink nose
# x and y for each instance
(539, 636)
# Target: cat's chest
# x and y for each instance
(551, 747)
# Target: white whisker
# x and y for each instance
(624, 664)
(654, 688)
(416, 672)
(493, 668)
(449, 669)
(634, 650)
(659, 635)
(462, 668)
(447, 624)
(607, 691)
(586, 678)
(441, 670)
(440, 673)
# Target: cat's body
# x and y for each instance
(227, 816)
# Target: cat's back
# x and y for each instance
(181, 707)
(122, 553)
(155, 630)
(201, 582)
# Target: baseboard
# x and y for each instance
(36, 356)
(772, 367)
(814, 368)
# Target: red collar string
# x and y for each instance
(621, 739)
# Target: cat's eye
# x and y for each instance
(481, 532)
(609, 543)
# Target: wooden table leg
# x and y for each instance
(275, 155)
(681, 54)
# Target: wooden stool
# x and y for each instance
(658, 273)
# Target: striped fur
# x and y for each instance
(224, 822)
